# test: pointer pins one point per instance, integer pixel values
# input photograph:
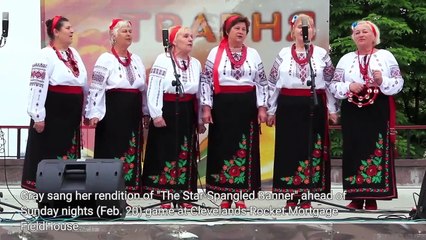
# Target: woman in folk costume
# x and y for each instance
(234, 92)
(290, 104)
(367, 79)
(170, 164)
(58, 77)
(115, 104)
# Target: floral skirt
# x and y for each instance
(119, 135)
(60, 138)
(233, 159)
(170, 164)
(368, 156)
(293, 172)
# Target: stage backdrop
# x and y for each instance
(269, 32)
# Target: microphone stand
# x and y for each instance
(179, 93)
(312, 107)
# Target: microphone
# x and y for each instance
(305, 32)
(166, 43)
(5, 24)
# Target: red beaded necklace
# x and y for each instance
(303, 61)
(235, 63)
(370, 92)
(71, 63)
(128, 57)
(184, 67)
(363, 68)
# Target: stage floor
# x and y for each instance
(263, 219)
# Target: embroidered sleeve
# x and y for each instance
(141, 72)
(332, 103)
(328, 69)
(273, 91)
(39, 84)
(206, 89)
(392, 79)
(155, 89)
(339, 85)
(261, 82)
(95, 107)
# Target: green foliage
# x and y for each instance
(402, 25)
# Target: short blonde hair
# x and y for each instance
(373, 27)
(179, 32)
(298, 18)
(114, 31)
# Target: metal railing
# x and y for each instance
(13, 140)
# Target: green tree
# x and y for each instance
(402, 25)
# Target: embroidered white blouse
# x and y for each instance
(251, 73)
(286, 73)
(347, 72)
(47, 70)
(162, 76)
(109, 73)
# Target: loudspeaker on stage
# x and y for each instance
(84, 189)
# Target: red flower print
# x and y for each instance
(359, 179)
(131, 165)
(174, 173)
(307, 172)
(234, 171)
(183, 155)
(378, 152)
(297, 180)
(162, 180)
(241, 153)
(72, 150)
(372, 170)
(316, 153)
(131, 151)
(368, 180)
(379, 167)
(125, 167)
(222, 178)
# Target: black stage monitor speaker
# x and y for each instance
(85, 189)
(421, 204)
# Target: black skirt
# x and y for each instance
(60, 138)
(170, 164)
(233, 159)
(119, 135)
(293, 172)
(368, 157)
